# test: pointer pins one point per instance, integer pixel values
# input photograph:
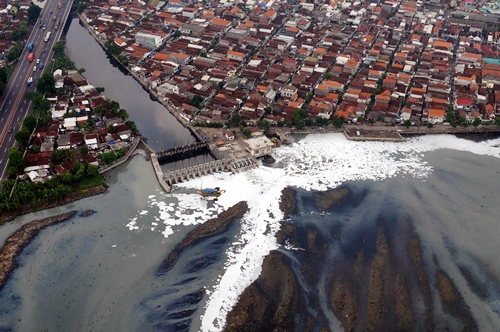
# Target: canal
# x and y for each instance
(153, 120)
(162, 129)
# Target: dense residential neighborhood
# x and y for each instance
(385, 61)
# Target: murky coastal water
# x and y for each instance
(95, 273)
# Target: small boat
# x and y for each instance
(211, 192)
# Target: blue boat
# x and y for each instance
(211, 192)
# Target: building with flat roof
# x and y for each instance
(259, 146)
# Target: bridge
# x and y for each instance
(182, 151)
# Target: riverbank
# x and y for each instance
(21, 238)
(4, 217)
(146, 87)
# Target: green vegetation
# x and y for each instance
(109, 157)
(4, 78)
(46, 83)
(338, 121)
(236, 121)
(16, 163)
(197, 101)
(209, 124)
(407, 124)
(60, 155)
(23, 137)
(115, 50)
(60, 59)
(20, 33)
(15, 52)
(35, 195)
(33, 13)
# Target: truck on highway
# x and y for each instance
(31, 56)
(30, 81)
(47, 37)
(30, 47)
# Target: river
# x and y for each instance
(160, 127)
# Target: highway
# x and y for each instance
(14, 107)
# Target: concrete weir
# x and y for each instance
(167, 180)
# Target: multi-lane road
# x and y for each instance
(14, 107)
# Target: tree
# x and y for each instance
(23, 137)
(177, 34)
(99, 89)
(33, 12)
(476, 122)
(81, 70)
(81, 7)
(16, 162)
(84, 150)
(15, 52)
(46, 83)
(497, 121)
(61, 154)
(123, 114)
(99, 110)
(196, 101)
(430, 125)
(108, 157)
(338, 121)
(264, 124)
(407, 124)
(29, 123)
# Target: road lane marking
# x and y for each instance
(10, 101)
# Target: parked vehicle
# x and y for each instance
(31, 56)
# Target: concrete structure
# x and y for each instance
(259, 146)
(148, 40)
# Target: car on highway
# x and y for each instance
(44, 26)
(11, 129)
(34, 68)
(43, 50)
(37, 61)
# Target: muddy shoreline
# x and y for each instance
(21, 238)
(383, 281)
(209, 228)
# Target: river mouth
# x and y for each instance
(391, 255)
